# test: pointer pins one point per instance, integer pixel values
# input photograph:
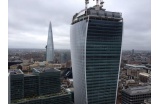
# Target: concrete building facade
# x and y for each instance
(136, 95)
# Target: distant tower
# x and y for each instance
(132, 52)
(49, 47)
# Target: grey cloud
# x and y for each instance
(28, 22)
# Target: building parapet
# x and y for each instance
(138, 90)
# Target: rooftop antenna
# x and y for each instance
(101, 3)
(97, 2)
(86, 3)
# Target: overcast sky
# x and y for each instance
(28, 22)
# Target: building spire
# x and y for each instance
(50, 47)
(50, 24)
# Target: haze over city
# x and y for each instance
(28, 22)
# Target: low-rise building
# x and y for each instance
(136, 95)
(40, 87)
(147, 101)
(144, 77)
(134, 70)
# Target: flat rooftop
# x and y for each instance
(70, 89)
(28, 75)
(138, 90)
(43, 70)
(96, 12)
(144, 74)
(35, 70)
(135, 66)
(147, 68)
(15, 71)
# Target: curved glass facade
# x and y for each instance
(95, 53)
(103, 50)
(78, 39)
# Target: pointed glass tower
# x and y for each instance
(49, 47)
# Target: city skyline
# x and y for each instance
(28, 22)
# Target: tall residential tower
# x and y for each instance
(50, 47)
(96, 38)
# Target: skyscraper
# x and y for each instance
(132, 52)
(96, 38)
(50, 47)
